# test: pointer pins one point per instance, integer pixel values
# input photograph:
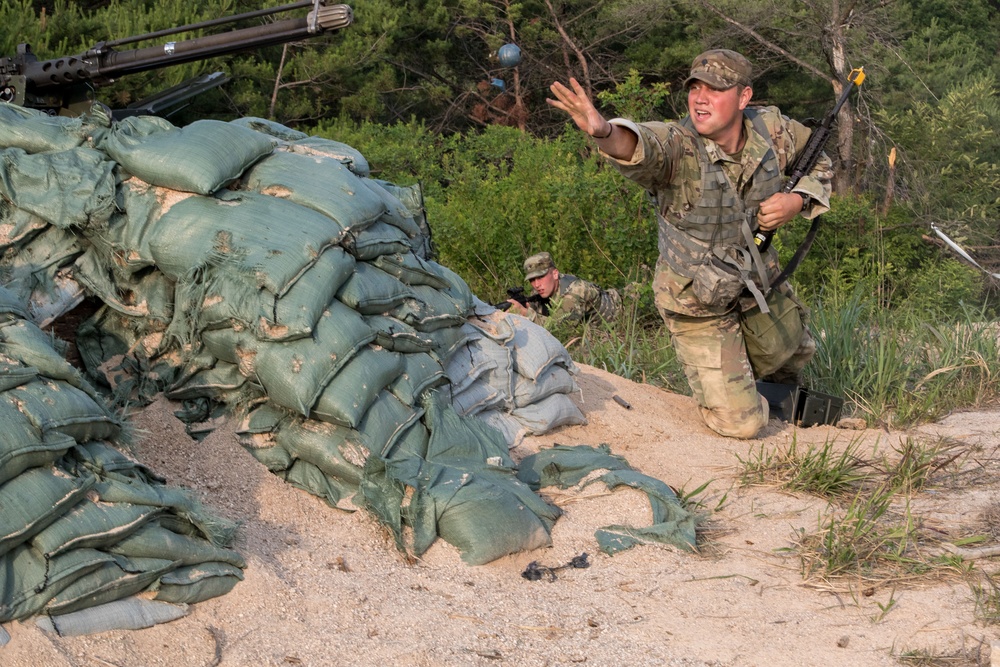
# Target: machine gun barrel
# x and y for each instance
(27, 81)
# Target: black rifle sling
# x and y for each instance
(799, 255)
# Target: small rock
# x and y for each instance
(852, 423)
(843, 641)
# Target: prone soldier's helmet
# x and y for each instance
(538, 265)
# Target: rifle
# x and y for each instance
(64, 85)
(804, 163)
(517, 294)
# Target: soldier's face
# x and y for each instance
(546, 285)
(715, 113)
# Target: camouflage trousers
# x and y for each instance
(715, 361)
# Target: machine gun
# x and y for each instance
(517, 294)
(64, 86)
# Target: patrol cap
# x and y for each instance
(721, 69)
(538, 265)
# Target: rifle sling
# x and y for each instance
(799, 255)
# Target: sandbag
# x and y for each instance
(132, 613)
(270, 128)
(392, 334)
(37, 132)
(33, 501)
(371, 291)
(430, 309)
(70, 188)
(200, 157)
(548, 414)
(355, 386)
(196, 583)
(318, 146)
(321, 184)
(24, 446)
(553, 380)
(245, 233)
(378, 239)
(420, 372)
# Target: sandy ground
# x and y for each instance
(325, 587)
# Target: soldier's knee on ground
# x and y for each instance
(741, 424)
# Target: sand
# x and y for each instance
(326, 587)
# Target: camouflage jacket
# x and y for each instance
(578, 301)
(667, 164)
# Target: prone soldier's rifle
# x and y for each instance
(64, 86)
(517, 294)
(804, 163)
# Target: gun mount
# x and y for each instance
(64, 86)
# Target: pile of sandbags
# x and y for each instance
(249, 266)
(83, 525)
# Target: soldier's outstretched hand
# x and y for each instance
(578, 105)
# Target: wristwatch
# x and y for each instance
(806, 201)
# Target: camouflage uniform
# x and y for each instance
(575, 300)
(693, 183)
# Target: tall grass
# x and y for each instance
(899, 368)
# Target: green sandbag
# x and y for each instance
(17, 226)
(122, 480)
(92, 525)
(337, 451)
(147, 294)
(294, 373)
(406, 209)
(270, 128)
(155, 541)
(351, 391)
(271, 241)
(386, 421)
(410, 269)
(71, 188)
(114, 580)
(28, 580)
(320, 184)
(222, 381)
(197, 583)
(431, 309)
(33, 501)
(36, 274)
(28, 344)
(420, 372)
(394, 335)
(236, 297)
(336, 492)
(200, 157)
(37, 132)
(457, 288)
(24, 446)
(319, 146)
(378, 239)
(371, 291)
(465, 476)
(14, 374)
(63, 409)
(450, 340)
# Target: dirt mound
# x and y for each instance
(325, 587)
